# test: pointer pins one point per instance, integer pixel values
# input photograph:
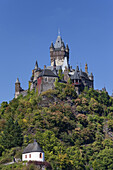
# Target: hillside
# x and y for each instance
(74, 132)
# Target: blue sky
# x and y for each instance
(27, 28)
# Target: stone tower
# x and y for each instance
(58, 51)
(17, 88)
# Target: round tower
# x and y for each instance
(17, 88)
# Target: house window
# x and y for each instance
(29, 155)
(40, 155)
(25, 156)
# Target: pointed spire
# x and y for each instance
(67, 48)
(17, 80)
(91, 76)
(36, 65)
(58, 43)
(77, 68)
(62, 46)
(52, 46)
(86, 68)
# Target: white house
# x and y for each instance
(33, 152)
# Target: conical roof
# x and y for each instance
(52, 46)
(36, 65)
(17, 80)
(59, 43)
(33, 147)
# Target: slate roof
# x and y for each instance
(83, 74)
(47, 72)
(59, 43)
(33, 147)
(78, 74)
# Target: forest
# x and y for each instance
(75, 132)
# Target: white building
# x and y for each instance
(33, 152)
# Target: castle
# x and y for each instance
(43, 79)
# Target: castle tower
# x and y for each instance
(58, 51)
(17, 88)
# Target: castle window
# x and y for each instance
(40, 155)
(45, 79)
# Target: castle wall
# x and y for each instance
(39, 82)
(45, 83)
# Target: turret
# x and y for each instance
(77, 68)
(67, 48)
(86, 68)
(52, 47)
(36, 71)
(17, 85)
(91, 76)
(17, 88)
(63, 47)
(36, 65)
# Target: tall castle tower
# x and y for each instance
(58, 52)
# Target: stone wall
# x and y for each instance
(47, 83)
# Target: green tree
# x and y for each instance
(12, 135)
(104, 160)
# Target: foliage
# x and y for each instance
(12, 135)
(75, 132)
